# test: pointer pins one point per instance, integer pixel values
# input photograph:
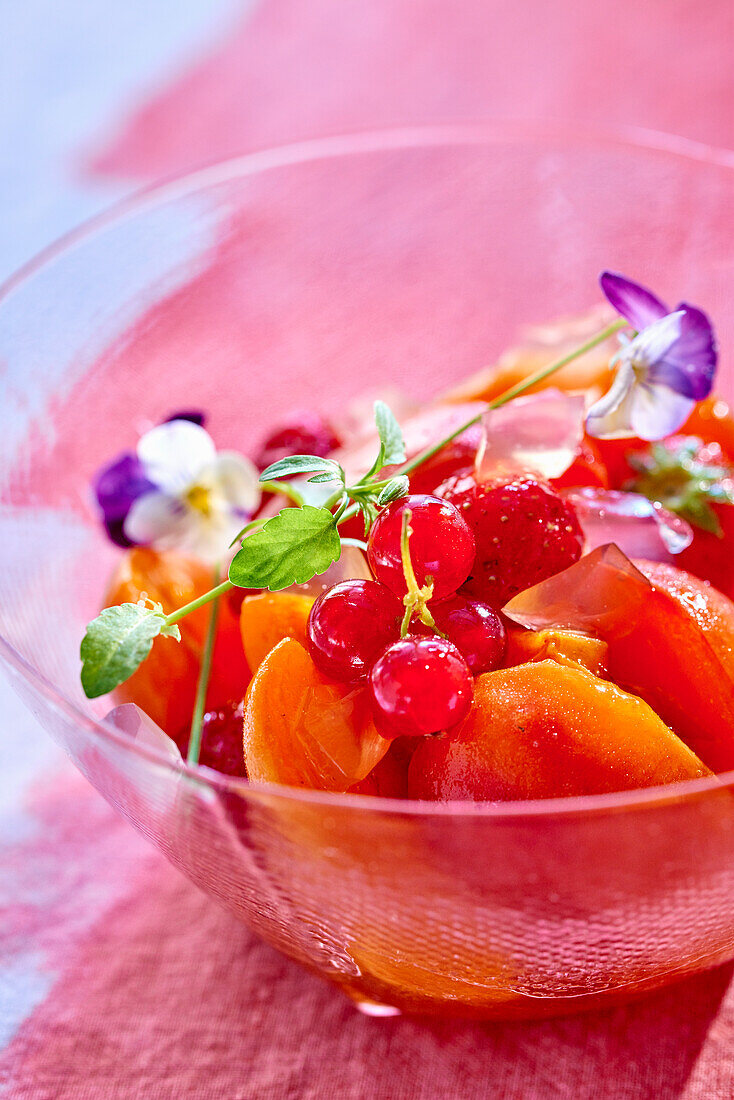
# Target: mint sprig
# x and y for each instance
(371, 491)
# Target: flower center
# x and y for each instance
(199, 499)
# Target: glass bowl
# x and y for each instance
(299, 277)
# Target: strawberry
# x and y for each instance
(586, 469)
(693, 478)
(524, 531)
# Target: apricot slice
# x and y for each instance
(165, 685)
(670, 638)
(269, 617)
(545, 731)
(304, 730)
(567, 647)
(544, 345)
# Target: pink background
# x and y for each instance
(116, 977)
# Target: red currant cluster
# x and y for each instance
(420, 683)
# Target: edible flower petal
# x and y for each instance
(174, 453)
(116, 487)
(176, 492)
(663, 370)
(634, 302)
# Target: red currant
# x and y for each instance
(307, 434)
(441, 545)
(475, 629)
(420, 686)
(221, 740)
(350, 625)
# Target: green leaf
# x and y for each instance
(318, 479)
(302, 464)
(701, 514)
(369, 514)
(292, 547)
(397, 487)
(391, 435)
(117, 642)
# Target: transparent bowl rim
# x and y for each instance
(553, 134)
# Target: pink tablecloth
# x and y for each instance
(117, 979)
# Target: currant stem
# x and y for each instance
(282, 487)
(411, 582)
(197, 717)
(416, 598)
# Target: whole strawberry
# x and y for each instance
(524, 532)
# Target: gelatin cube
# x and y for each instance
(640, 528)
(598, 594)
(539, 434)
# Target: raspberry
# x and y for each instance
(306, 434)
(221, 740)
(524, 532)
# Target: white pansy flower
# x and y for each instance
(200, 499)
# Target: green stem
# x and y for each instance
(197, 717)
(546, 372)
(335, 497)
(415, 599)
(283, 488)
(212, 594)
(515, 391)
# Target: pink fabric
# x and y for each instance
(158, 993)
(144, 987)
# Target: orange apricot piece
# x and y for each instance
(670, 638)
(679, 656)
(304, 730)
(546, 344)
(267, 618)
(712, 420)
(165, 684)
(545, 731)
(567, 647)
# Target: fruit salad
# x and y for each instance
(521, 590)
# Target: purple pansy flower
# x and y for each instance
(177, 492)
(196, 416)
(663, 370)
(116, 487)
